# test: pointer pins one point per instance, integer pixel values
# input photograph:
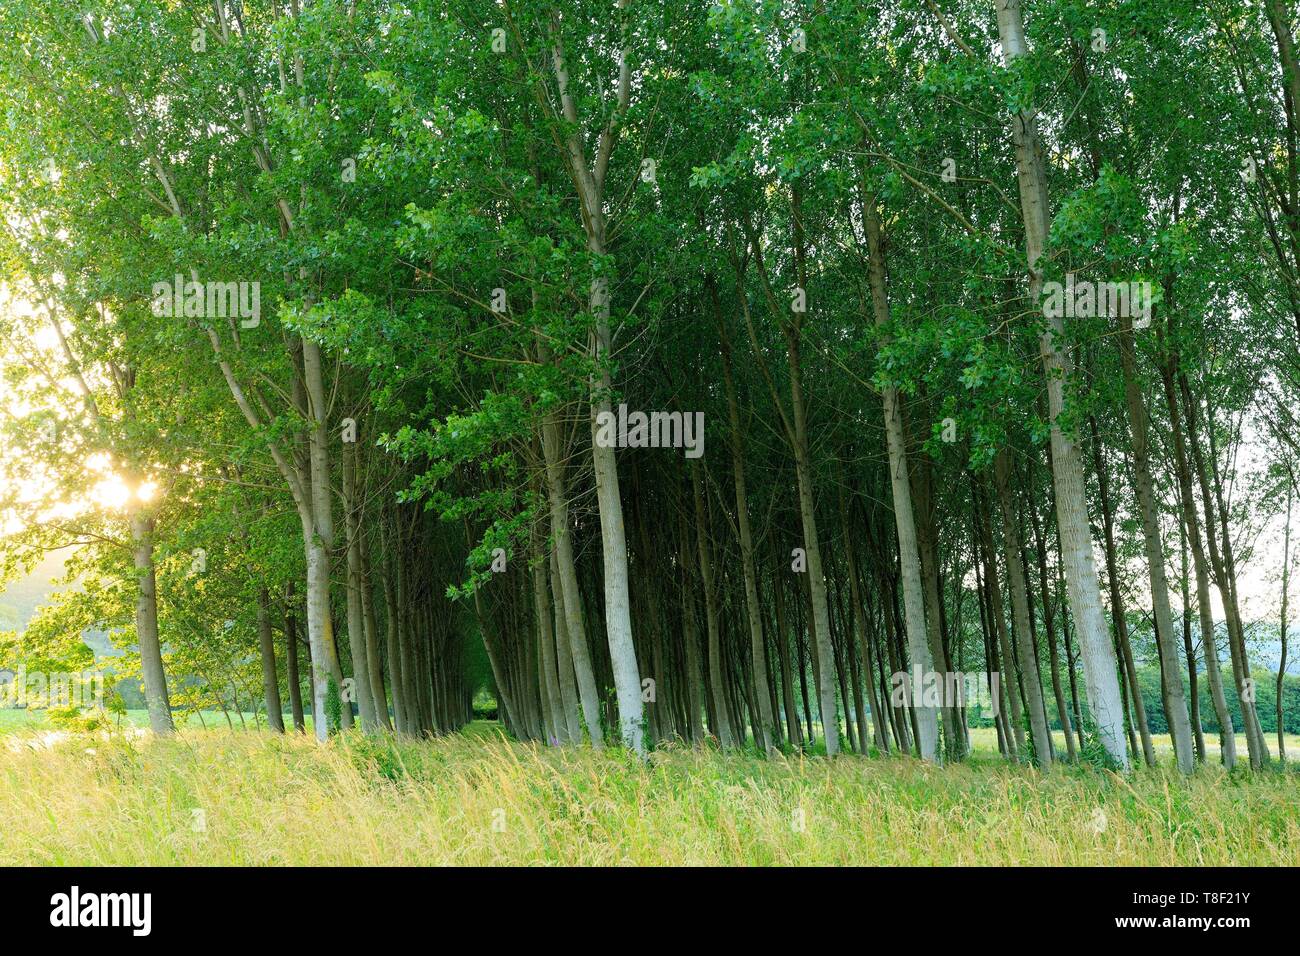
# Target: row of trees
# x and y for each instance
(341, 299)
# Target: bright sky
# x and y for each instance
(35, 336)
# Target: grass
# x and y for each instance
(475, 798)
(986, 739)
(17, 719)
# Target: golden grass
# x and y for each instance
(475, 799)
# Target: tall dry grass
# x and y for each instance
(473, 799)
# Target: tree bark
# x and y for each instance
(1175, 704)
(1020, 613)
(763, 733)
(1209, 643)
(1117, 601)
(146, 624)
(1225, 581)
(1282, 622)
(568, 595)
(899, 482)
(266, 648)
(717, 673)
(569, 698)
(291, 663)
(356, 620)
(374, 664)
(1071, 502)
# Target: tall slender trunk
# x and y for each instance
(836, 595)
(392, 642)
(618, 613)
(374, 664)
(763, 733)
(356, 619)
(1099, 663)
(318, 537)
(1070, 658)
(997, 613)
(1049, 623)
(569, 698)
(1282, 622)
(927, 551)
(1117, 600)
(902, 714)
(493, 644)
(266, 649)
(717, 672)
(859, 632)
(690, 633)
(1192, 688)
(1225, 580)
(801, 656)
(1209, 642)
(821, 623)
(146, 624)
(990, 654)
(794, 728)
(568, 595)
(1171, 682)
(918, 646)
(291, 662)
(1024, 645)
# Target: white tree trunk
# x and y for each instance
(1099, 665)
(918, 645)
(146, 625)
(568, 598)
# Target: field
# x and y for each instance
(213, 797)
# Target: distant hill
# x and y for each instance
(20, 599)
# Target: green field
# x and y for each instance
(212, 797)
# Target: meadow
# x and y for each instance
(211, 797)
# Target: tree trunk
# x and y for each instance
(794, 728)
(1049, 625)
(318, 538)
(1020, 613)
(909, 559)
(717, 673)
(570, 598)
(764, 733)
(1175, 704)
(393, 644)
(1067, 467)
(356, 620)
(1282, 623)
(1117, 601)
(1192, 688)
(927, 551)
(1223, 580)
(374, 664)
(690, 634)
(997, 614)
(266, 648)
(569, 697)
(1209, 643)
(291, 663)
(146, 625)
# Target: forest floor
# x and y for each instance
(213, 797)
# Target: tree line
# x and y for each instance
(347, 337)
